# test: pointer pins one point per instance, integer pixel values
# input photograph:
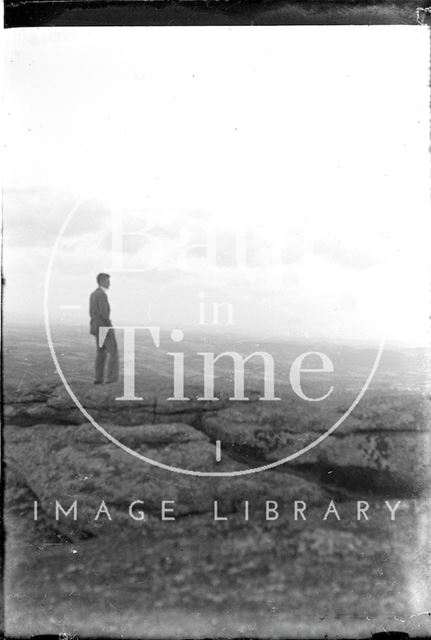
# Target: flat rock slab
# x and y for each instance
(52, 403)
(79, 463)
(383, 447)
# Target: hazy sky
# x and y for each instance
(311, 141)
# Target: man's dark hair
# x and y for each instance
(102, 276)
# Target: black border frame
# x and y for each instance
(75, 13)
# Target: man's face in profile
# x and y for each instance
(106, 283)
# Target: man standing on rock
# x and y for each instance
(99, 317)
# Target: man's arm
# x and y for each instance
(103, 311)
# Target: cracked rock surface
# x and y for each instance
(106, 572)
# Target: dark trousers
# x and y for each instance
(107, 354)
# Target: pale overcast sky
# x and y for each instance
(311, 139)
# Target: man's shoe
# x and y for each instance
(97, 382)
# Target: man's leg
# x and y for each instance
(99, 365)
(113, 363)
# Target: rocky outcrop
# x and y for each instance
(115, 574)
(382, 448)
(78, 463)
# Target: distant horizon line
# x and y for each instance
(231, 330)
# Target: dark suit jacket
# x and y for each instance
(99, 311)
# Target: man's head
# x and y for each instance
(103, 280)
